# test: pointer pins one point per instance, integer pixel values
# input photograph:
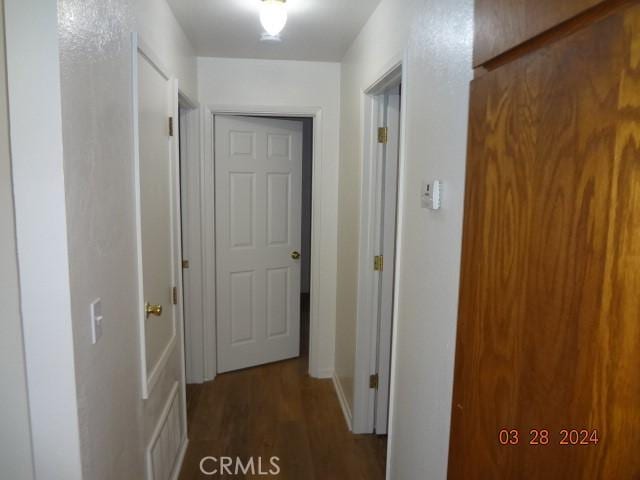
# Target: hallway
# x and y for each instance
(241, 236)
(278, 410)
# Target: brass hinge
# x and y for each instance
(171, 126)
(383, 135)
(174, 295)
(378, 263)
(373, 381)
(185, 264)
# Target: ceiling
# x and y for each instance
(319, 30)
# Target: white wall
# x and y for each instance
(16, 456)
(437, 38)
(95, 60)
(270, 83)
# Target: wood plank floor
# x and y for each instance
(278, 410)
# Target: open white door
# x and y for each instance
(258, 170)
(155, 97)
(376, 265)
(387, 245)
(157, 216)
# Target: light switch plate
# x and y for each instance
(96, 321)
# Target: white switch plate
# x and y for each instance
(96, 321)
(431, 195)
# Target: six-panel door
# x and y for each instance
(258, 167)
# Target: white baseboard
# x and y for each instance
(343, 401)
(324, 374)
(180, 461)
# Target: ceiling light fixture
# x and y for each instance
(273, 16)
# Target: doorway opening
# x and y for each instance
(201, 252)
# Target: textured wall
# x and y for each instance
(95, 53)
(437, 37)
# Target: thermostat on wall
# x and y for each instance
(431, 195)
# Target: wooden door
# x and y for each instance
(504, 24)
(549, 322)
(258, 164)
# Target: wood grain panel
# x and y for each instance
(549, 323)
(504, 24)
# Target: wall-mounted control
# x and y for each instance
(431, 195)
(96, 321)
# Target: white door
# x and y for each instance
(387, 246)
(159, 260)
(157, 203)
(258, 169)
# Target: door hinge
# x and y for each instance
(174, 295)
(185, 264)
(378, 263)
(373, 381)
(171, 126)
(383, 135)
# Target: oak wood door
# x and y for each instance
(501, 25)
(549, 322)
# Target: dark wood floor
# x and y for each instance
(278, 410)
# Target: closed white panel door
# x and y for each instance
(258, 168)
(156, 203)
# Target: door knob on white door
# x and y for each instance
(152, 310)
(295, 255)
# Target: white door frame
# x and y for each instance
(197, 329)
(367, 330)
(208, 207)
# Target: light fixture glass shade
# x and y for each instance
(273, 16)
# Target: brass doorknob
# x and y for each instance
(295, 255)
(152, 309)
